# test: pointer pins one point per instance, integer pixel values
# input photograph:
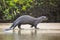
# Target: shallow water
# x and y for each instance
(30, 35)
(47, 31)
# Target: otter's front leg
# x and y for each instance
(32, 26)
(35, 25)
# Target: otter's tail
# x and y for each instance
(10, 28)
(13, 26)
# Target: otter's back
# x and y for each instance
(26, 19)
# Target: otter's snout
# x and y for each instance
(44, 18)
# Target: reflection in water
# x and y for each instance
(29, 35)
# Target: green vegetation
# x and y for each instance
(10, 8)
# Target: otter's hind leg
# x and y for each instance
(19, 26)
(32, 26)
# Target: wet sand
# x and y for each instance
(47, 31)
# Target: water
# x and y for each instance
(27, 34)
(47, 31)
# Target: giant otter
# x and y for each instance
(26, 19)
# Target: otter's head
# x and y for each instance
(43, 18)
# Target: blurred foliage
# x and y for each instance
(10, 8)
